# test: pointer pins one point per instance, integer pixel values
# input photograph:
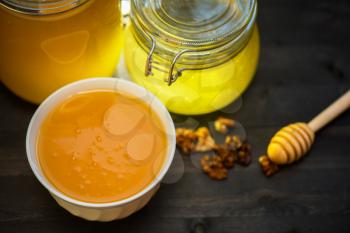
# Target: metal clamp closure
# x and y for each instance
(173, 72)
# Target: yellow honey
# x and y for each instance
(196, 91)
(195, 56)
(101, 146)
(40, 53)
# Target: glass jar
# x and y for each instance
(197, 56)
(47, 44)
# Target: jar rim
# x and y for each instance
(41, 7)
(183, 24)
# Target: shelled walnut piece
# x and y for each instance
(244, 154)
(222, 125)
(205, 142)
(233, 142)
(199, 141)
(214, 167)
(186, 139)
(268, 167)
(226, 155)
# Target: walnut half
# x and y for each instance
(222, 125)
(268, 167)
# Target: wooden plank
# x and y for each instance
(304, 66)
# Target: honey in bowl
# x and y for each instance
(101, 146)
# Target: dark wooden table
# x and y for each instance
(305, 64)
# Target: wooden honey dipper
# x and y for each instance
(293, 141)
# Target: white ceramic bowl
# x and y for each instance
(105, 211)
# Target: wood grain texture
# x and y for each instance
(304, 66)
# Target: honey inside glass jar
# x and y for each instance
(47, 44)
(197, 56)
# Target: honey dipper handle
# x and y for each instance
(334, 110)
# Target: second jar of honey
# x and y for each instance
(47, 44)
(197, 56)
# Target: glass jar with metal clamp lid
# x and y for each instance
(47, 44)
(197, 56)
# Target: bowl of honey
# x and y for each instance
(101, 147)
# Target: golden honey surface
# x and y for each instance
(101, 146)
(39, 54)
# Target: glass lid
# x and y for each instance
(41, 7)
(194, 23)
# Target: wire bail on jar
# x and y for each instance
(173, 73)
(171, 38)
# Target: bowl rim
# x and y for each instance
(166, 118)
